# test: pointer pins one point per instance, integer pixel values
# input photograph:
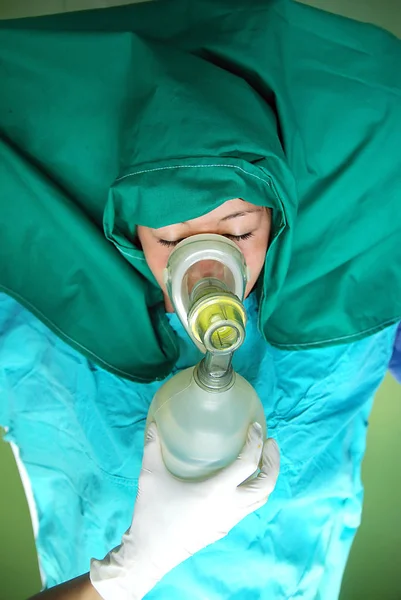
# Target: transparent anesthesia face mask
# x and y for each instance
(206, 276)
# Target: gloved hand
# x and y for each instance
(173, 519)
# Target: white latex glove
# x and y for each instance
(173, 519)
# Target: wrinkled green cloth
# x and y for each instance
(158, 113)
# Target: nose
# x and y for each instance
(204, 269)
(209, 268)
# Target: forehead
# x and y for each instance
(227, 210)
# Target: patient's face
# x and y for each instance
(244, 223)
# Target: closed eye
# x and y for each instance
(169, 244)
(236, 238)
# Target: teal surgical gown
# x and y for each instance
(80, 433)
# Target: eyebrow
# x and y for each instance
(240, 213)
